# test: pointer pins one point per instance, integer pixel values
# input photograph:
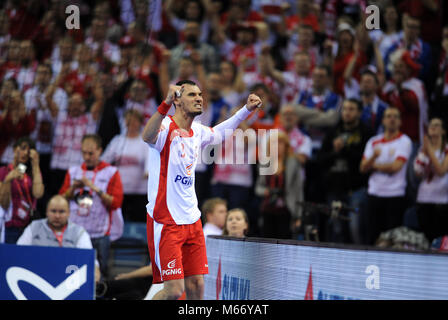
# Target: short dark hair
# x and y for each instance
(182, 82)
(96, 138)
(260, 85)
(394, 108)
(373, 74)
(30, 142)
(355, 101)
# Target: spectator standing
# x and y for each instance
(12, 63)
(68, 133)
(194, 10)
(127, 153)
(390, 33)
(95, 192)
(217, 106)
(318, 105)
(339, 160)
(63, 56)
(295, 81)
(385, 157)
(304, 43)
(98, 42)
(408, 94)
(431, 164)
(232, 173)
(28, 65)
(15, 123)
(47, 100)
(232, 84)
(21, 185)
(373, 106)
(419, 50)
(5, 37)
(280, 191)
(215, 212)
(207, 53)
(244, 50)
(440, 97)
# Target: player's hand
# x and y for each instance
(172, 93)
(253, 102)
(377, 152)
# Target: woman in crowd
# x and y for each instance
(129, 154)
(233, 85)
(237, 223)
(431, 164)
(20, 187)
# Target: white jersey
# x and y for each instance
(129, 155)
(173, 158)
(433, 188)
(382, 184)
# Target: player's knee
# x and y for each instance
(174, 290)
(194, 284)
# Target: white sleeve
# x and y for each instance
(306, 147)
(368, 151)
(110, 152)
(405, 150)
(225, 129)
(161, 136)
(30, 100)
(26, 238)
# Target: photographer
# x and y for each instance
(95, 192)
(20, 187)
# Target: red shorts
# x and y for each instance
(176, 251)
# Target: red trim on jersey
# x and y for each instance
(115, 189)
(66, 184)
(161, 213)
(384, 140)
(180, 132)
(404, 159)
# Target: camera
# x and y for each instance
(22, 168)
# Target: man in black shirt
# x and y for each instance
(339, 160)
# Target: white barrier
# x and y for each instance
(260, 269)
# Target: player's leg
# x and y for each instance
(172, 290)
(164, 243)
(194, 261)
(194, 287)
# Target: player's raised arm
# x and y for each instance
(152, 127)
(223, 130)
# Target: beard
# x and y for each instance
(195, 113)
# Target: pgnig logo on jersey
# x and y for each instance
(187, 181)
(172, 270)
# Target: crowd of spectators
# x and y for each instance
(361, 112)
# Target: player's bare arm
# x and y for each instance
(151, 130)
